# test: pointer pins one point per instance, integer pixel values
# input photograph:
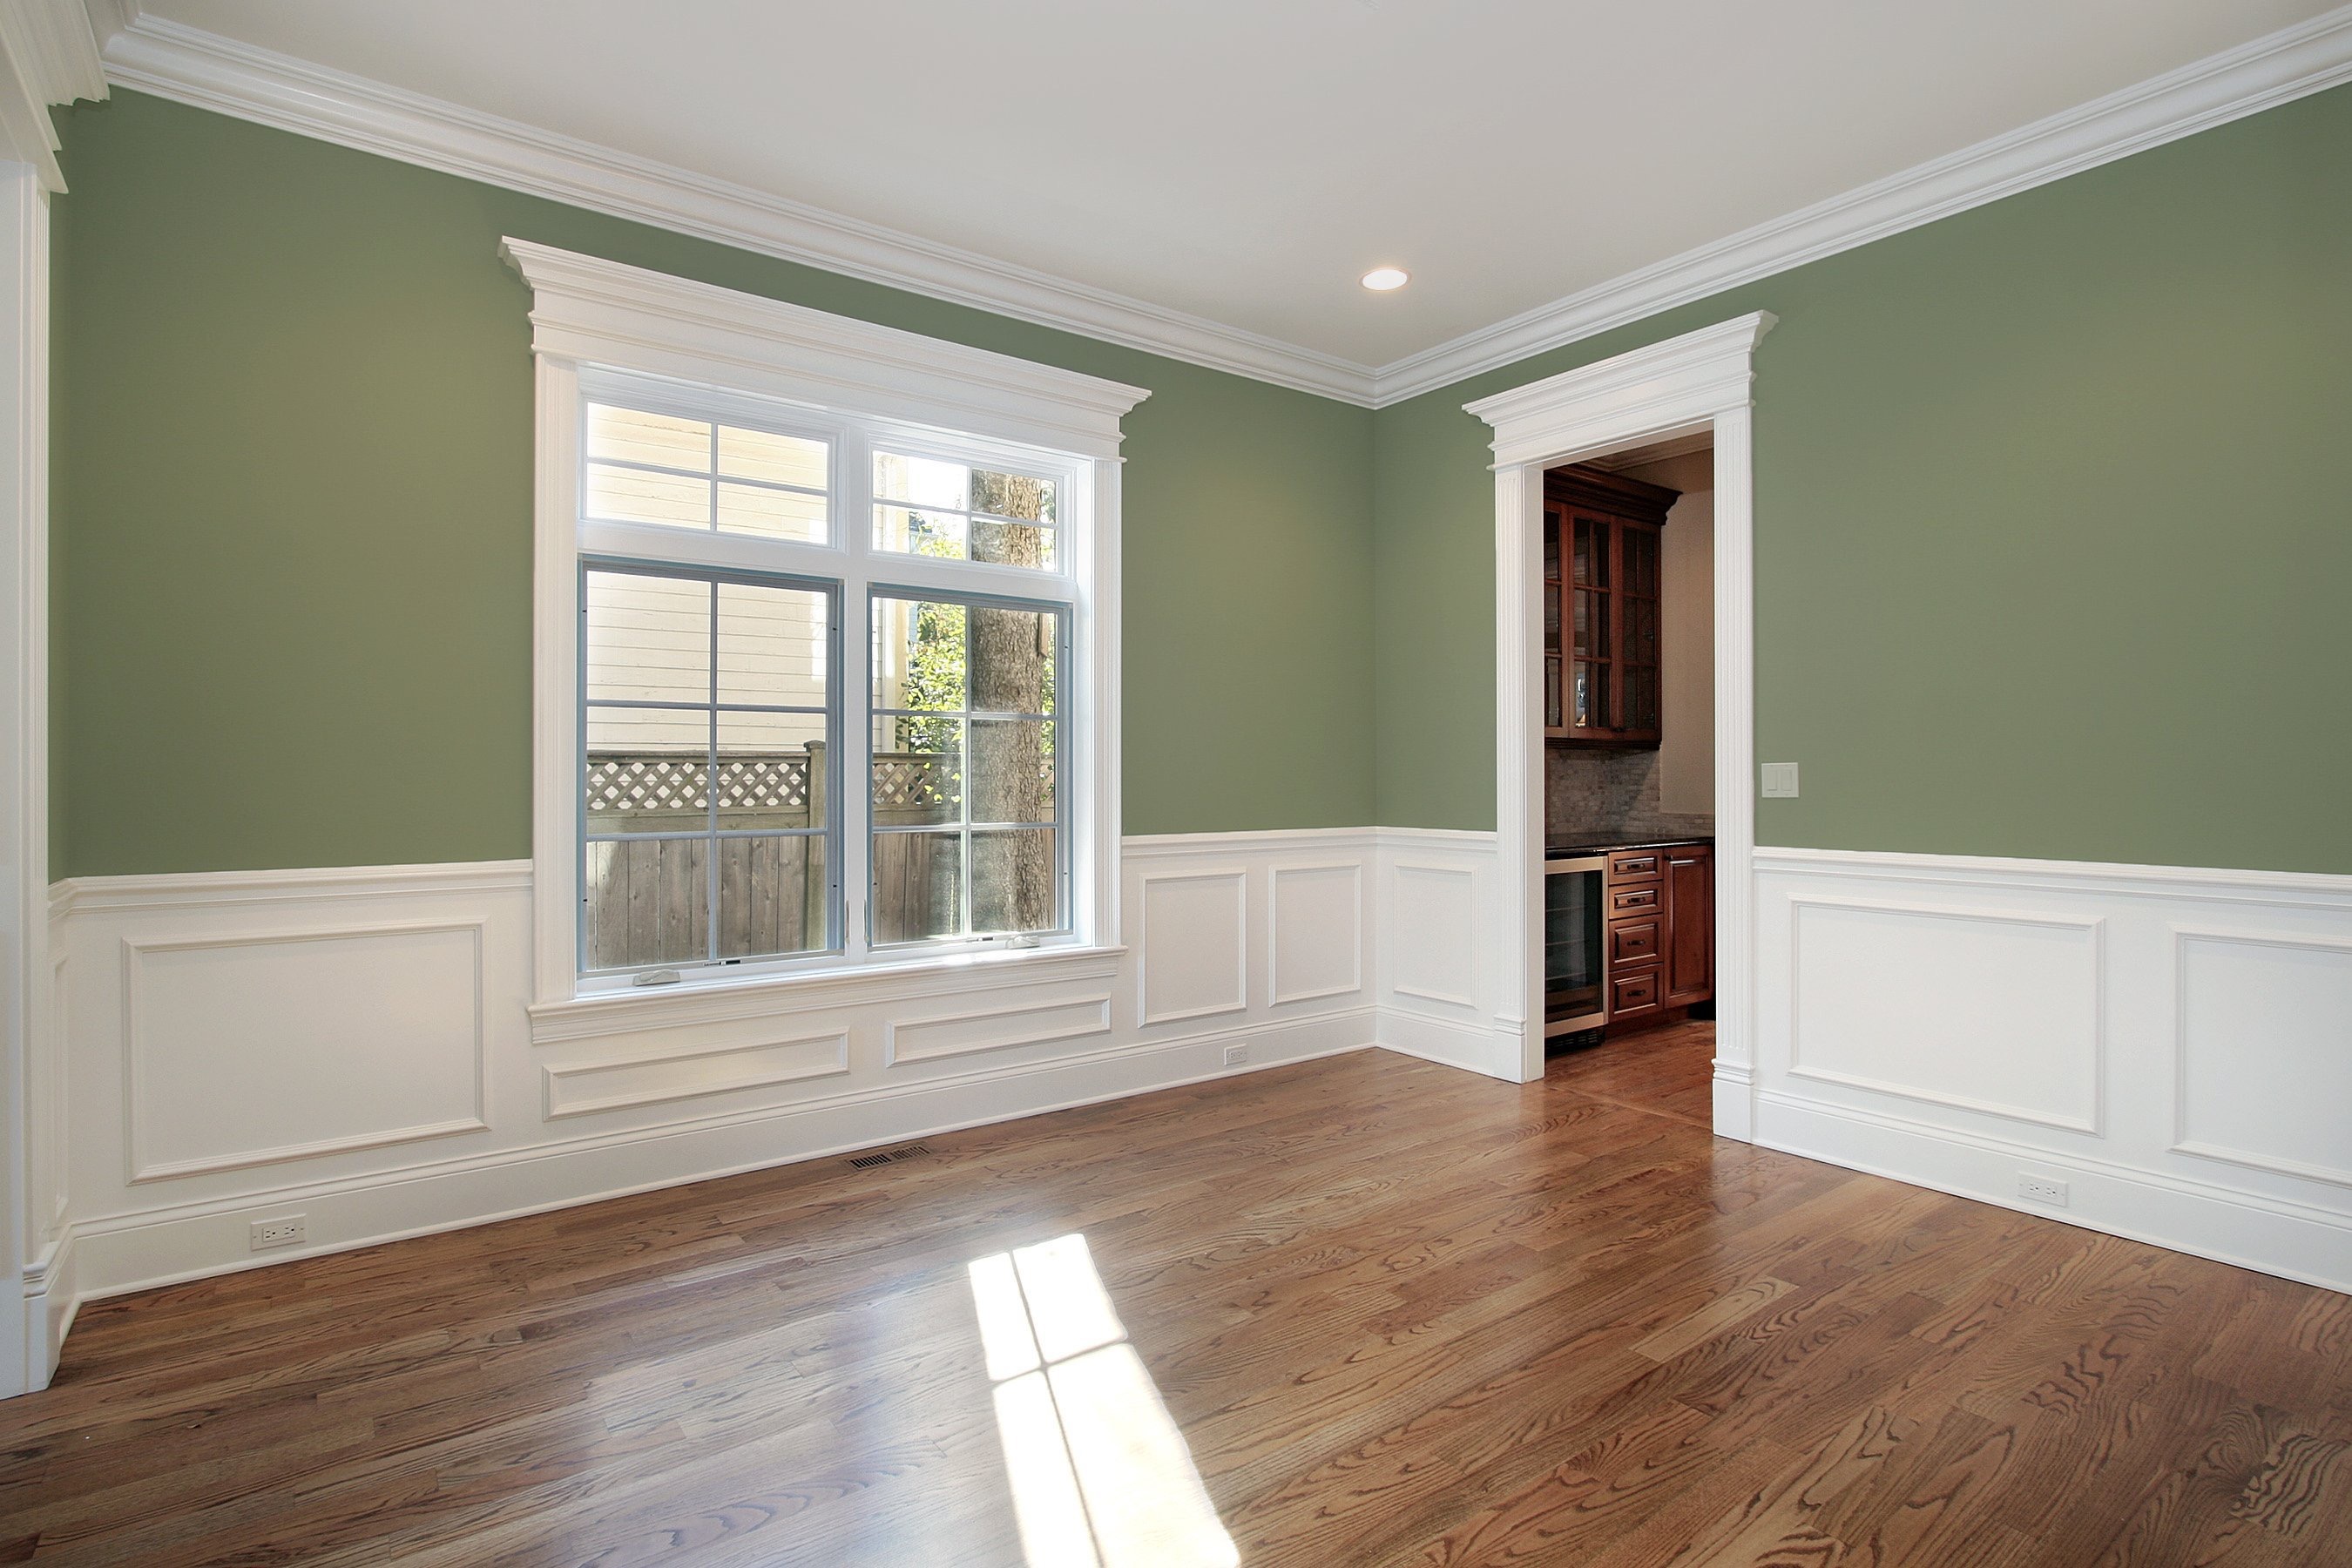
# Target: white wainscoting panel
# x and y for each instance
(261, 1047)
(1435, 914)
(354, 1045)
(974, 1030)
(2265, 1052)
(1314, 930)
(1194, 932)
(2173, 1044)
(580, 1089)
(1999, 1013)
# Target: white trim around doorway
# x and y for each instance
(1698, 382)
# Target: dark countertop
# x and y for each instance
(1559, 844)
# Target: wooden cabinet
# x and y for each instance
(1602, 560)
(1689, 939)
(1660, 911)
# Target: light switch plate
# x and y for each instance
(1780, 781)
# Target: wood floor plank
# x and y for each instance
(1388, 1314)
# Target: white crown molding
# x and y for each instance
(2269, 71)
(200, 68)
(193, 66)
(49, 54)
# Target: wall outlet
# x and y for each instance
(2041, 1190)
(1780, 781)
(1236, 1054)
(287, 1232)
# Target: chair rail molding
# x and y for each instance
(1698, 382)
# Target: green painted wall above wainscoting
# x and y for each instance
(2053, 528)
(2053, 525)
(293, 455)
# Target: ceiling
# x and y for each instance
(1246, 161)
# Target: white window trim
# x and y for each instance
(591, 314)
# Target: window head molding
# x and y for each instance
(594, 312)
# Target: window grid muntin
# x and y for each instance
(830, 834)
(1064, 614)
(715, 408)
(970, 459)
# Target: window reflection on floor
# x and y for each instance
(1100, 1477)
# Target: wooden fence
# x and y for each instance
(646, 900)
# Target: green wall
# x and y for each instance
(2053, 525)
(2053, 540)
(292, 472)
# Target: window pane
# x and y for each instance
(918, 890)
(770, 514)
(772, 896)
(918, 653)
(1013, 545)
(918, 771)
(772, 769)
(627, 436)
(925, 482)
(906, 532)
(648, 638)
(779, 459)
(1015, 883)
(648, 771)
(632, 495)
(1012, 769)
(647, 901)
(1012, 495)
(772, 645)
(1013, 657)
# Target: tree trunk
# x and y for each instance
(1009, 656)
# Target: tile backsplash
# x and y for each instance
(1612, 792)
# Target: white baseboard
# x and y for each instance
(166, 1247)
(2294, 1241)
(2170, 1042)
(52, 1297)
(1444, 1040)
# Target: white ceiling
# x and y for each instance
(1246, 159)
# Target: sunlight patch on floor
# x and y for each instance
(1100, 1476)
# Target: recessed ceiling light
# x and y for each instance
(1381, 279)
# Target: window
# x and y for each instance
(710, 694)
(826, 635)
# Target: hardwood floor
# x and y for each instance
(1400, 1315)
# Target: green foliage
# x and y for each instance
(935, 671)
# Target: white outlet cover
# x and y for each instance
(1236, 1054)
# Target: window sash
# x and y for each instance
(830, 832)
(856, 575)
(964, 827)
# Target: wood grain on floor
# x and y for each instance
(1364, 1310)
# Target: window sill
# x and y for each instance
(613, 1014)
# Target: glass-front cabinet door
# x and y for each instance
(1602, 608)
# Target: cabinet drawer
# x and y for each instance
(1634, 865)
(1633, 900)
(1634, 941)
(1633, 993)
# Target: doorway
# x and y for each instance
(1693, 386)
